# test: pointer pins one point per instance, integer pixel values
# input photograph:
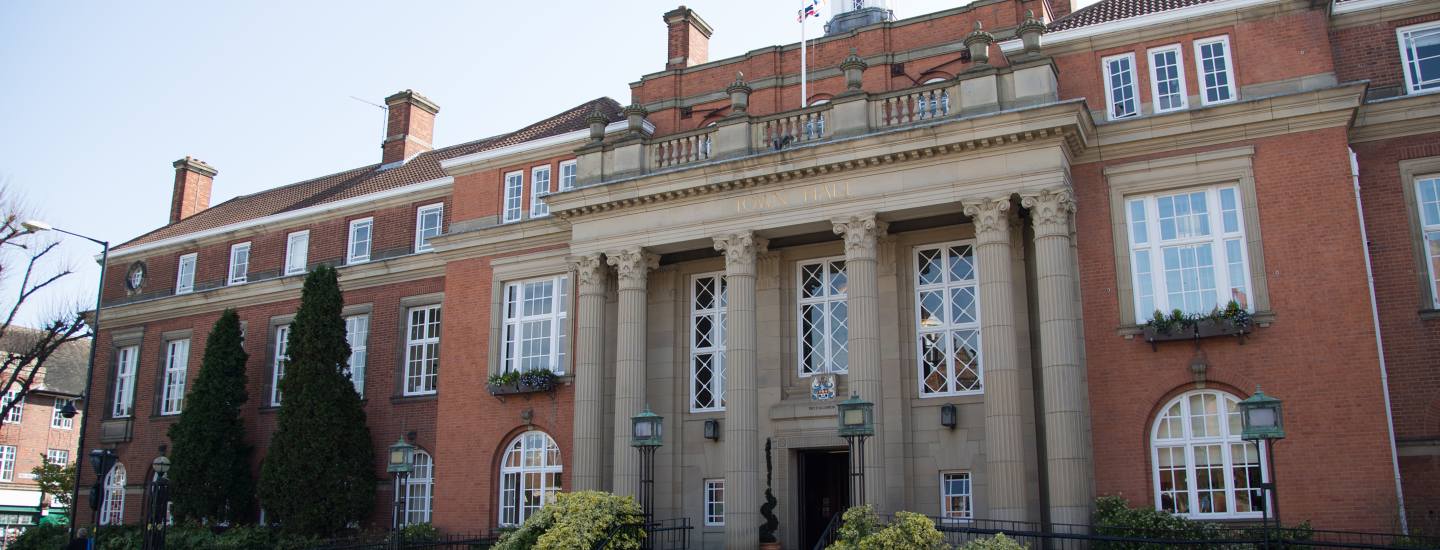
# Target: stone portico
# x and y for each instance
(996, 180)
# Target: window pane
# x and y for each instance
(811, 280)
(1230, 209)
(1422, 54)
(1138, 232)
(1168, 94)
(1144, 285)
(966, 346)
(928, 271)
(1429, 191)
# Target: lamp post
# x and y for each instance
(401, 454)
(647, 435)
(102, 460)
(158, 506)
(1262, 420)
(857, 423)
(35, 226)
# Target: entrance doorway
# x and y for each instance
(824, 490)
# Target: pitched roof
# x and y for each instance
(64, 370)
(369, 179)
(1105, 11)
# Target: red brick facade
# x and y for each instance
(1315, 346)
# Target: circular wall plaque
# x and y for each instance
(136, 276)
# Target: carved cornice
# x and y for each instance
(861, 234)
(740, 251)
(632, 265)
(990, 216)
(1070, 133)
(590, 272)
(1050, 210)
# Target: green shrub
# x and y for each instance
(118, 537)
(909, 531)
(45, 536)
(997, 542)
(189, 536)
(419, 532)
(856, 525)
(576, 521)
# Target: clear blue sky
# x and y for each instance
(99, 97)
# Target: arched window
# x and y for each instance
(529, 474)
(419, 488)
(112, 507)
(1202, 469)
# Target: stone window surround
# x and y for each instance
(509, 269)
(162, 365)
(1411, 171)
(403, 331)
(1234, 166)
(123, 338)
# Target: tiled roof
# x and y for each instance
(1105, 11)
(64, 370)
(369, 179)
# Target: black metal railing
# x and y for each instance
(1199, 536)
(665, 534)
(443, 542)
(832, 530)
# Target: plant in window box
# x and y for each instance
(514, 382)
(1233, 320)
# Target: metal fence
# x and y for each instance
(1206, 536)
(444, 542)
(665, 534)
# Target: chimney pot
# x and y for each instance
(193, 179)
(410, 126)
(688, 37)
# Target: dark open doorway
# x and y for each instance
(824, 491)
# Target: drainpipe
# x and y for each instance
(1379, 343)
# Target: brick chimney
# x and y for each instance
(689, 38)
(411, 126)
(1059, 8)
(193, 179)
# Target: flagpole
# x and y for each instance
(804, 97)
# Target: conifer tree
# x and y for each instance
(210, 460)
(318, 475)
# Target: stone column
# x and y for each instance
(589, 364)
(862, 295)
(632, 266)
(743, 455)
(1063, 378)
(1004, 425)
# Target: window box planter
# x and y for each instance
(1201, 328)
(519, 383)
(519, 387)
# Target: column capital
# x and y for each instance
(991, 217)
(1050, 210)
(589, 273)
(740, 251)
(861, 232)
(633, 265)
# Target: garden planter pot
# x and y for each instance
(514, 388)
(1205, 328)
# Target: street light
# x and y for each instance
(35, 226)
(158, 505)
(647, 434)
(401, 454)
(857, 423)
(1263, 420)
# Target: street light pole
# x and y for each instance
(857, 423)
(1262, 419)
(647, 435)
(36, 226)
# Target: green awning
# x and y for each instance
(20, 510)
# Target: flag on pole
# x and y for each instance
(811, 9)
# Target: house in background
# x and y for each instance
(36, 430)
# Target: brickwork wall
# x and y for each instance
(393, 234)
(34, 435)
(475, 426)
(1412, 342)
(389, 414)
(1372, 52)
(481, 194)
(1319, 355)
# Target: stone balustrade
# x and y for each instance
(776, 132)
(913, 105)
(983, 89)
(681, 149)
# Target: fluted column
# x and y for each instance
(742, 435)
(861, 234)
(588, 459)
(632, 267)
(1067, 458)
(1004, 425)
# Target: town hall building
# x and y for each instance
(971, 219)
